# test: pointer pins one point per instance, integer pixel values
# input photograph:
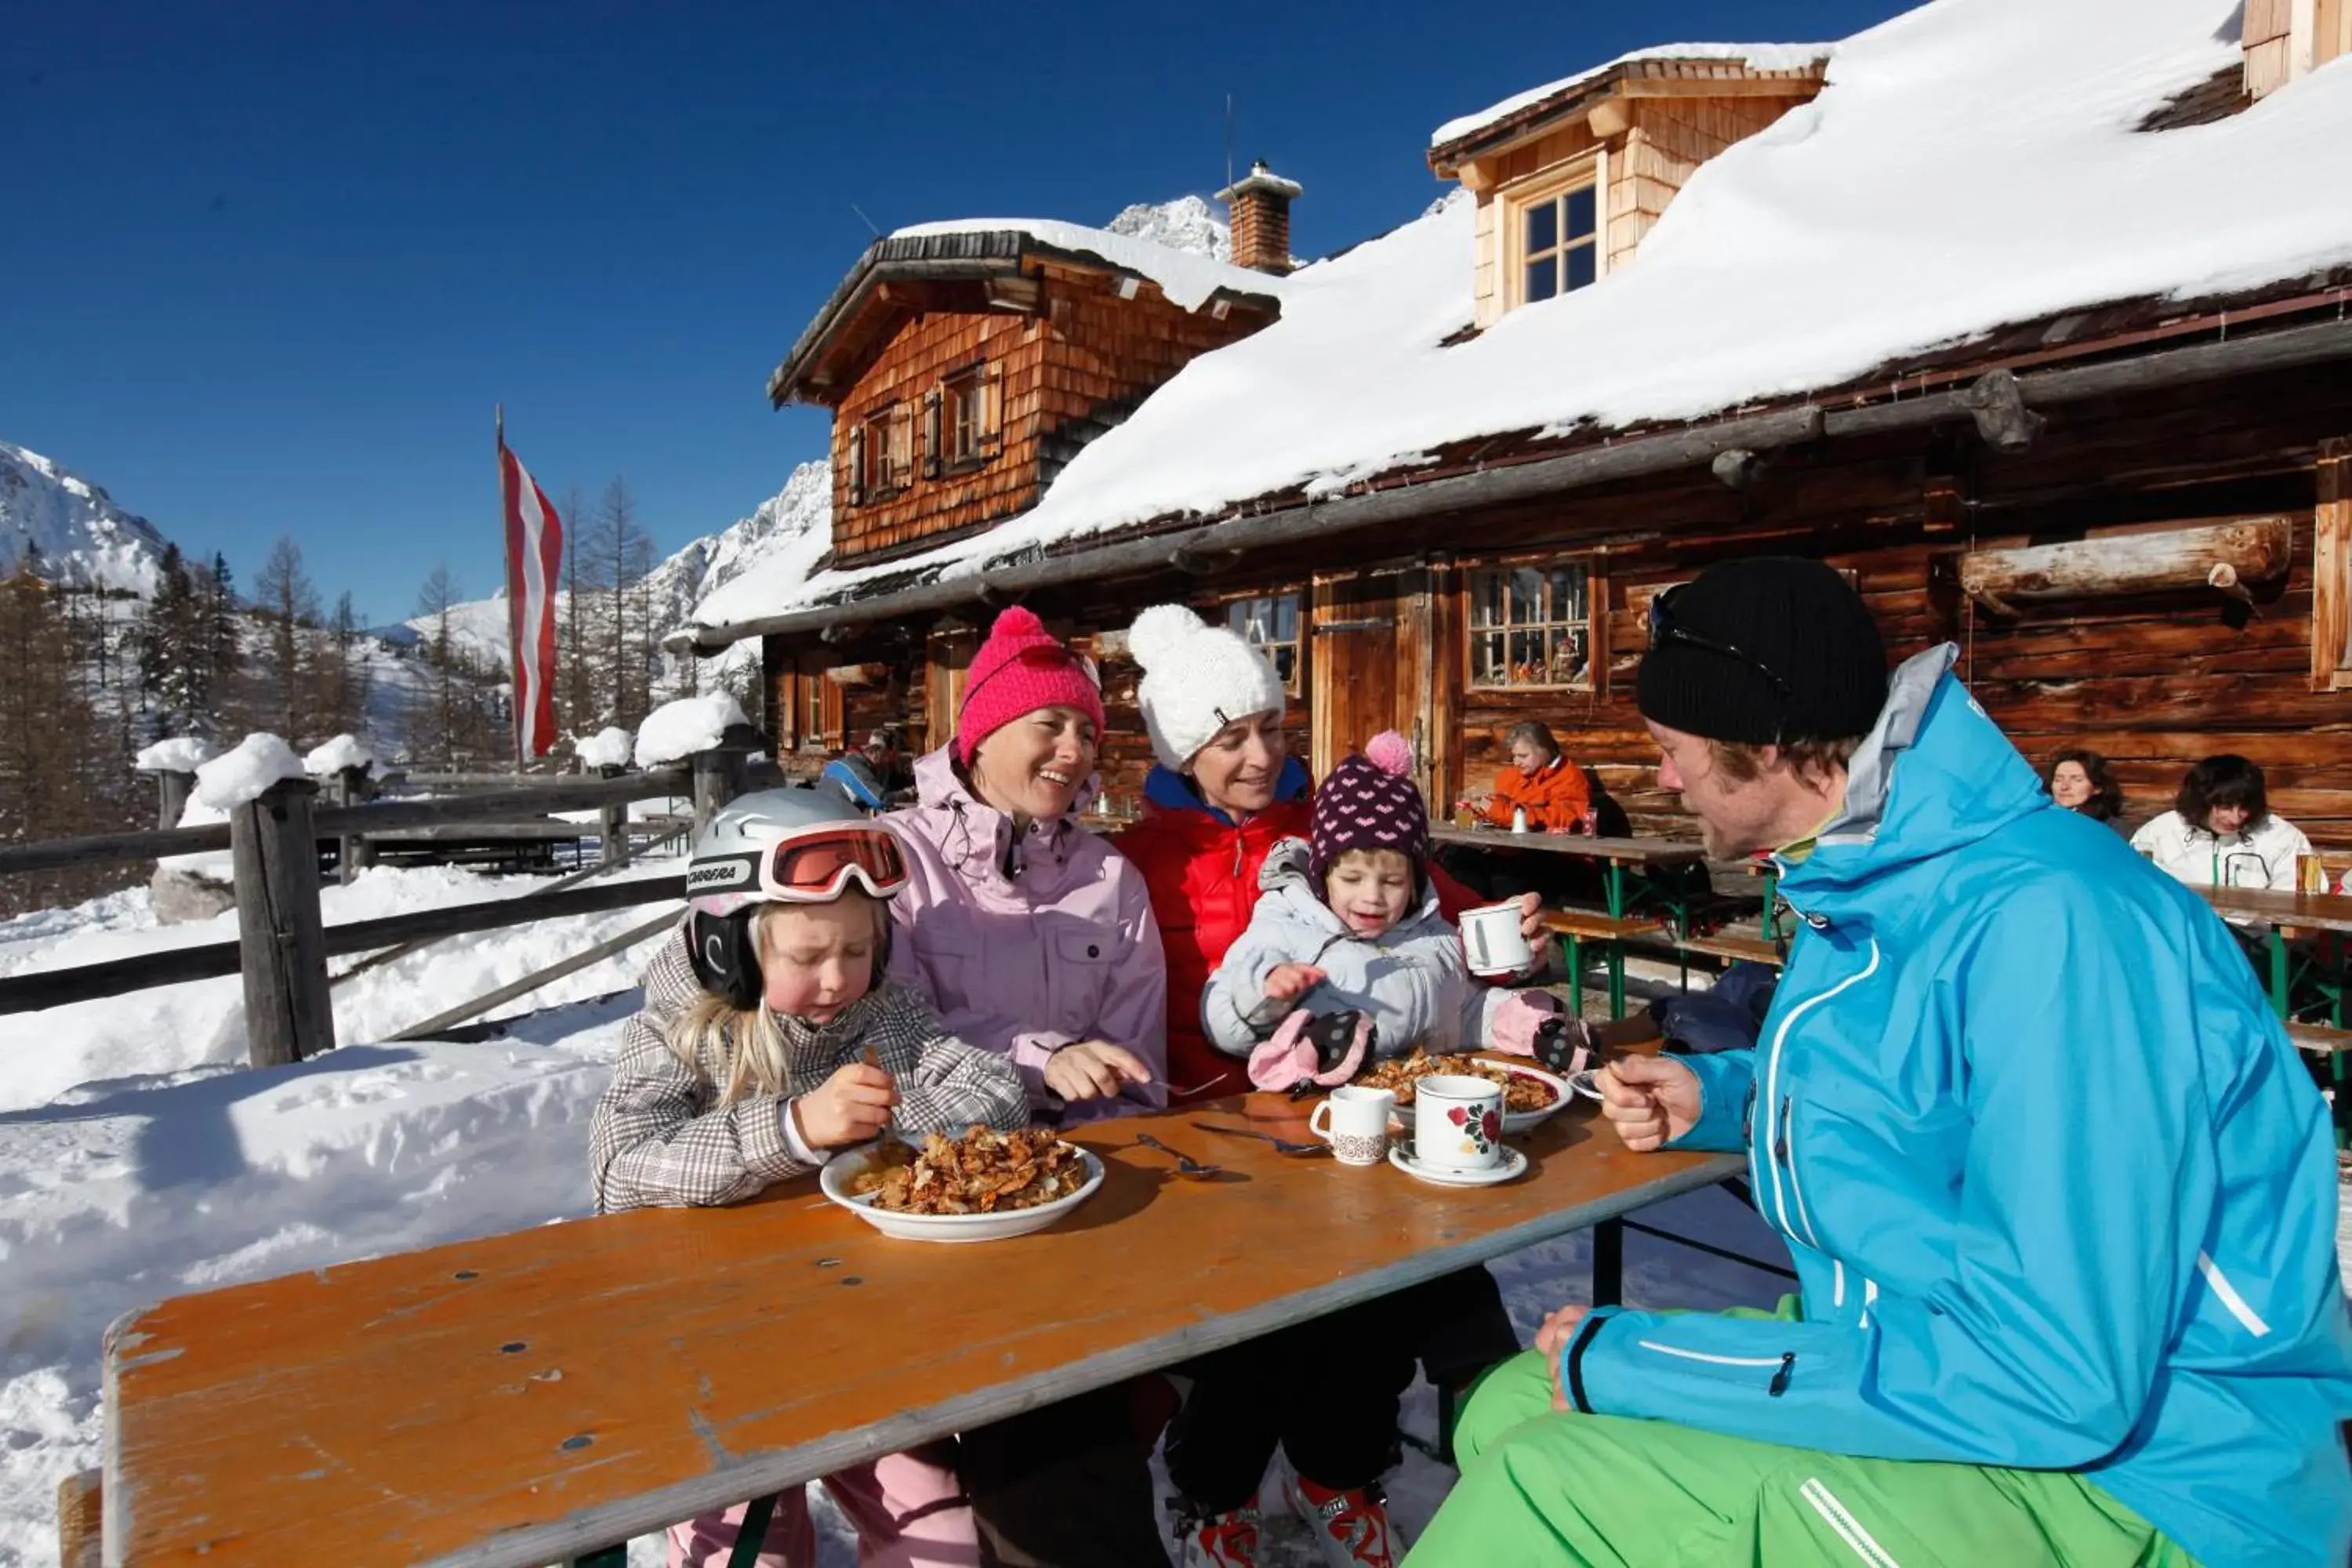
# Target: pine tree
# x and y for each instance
(64, 771)
(289, 608)
(615, 558)
(339, 674)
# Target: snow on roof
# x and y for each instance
(342, 752)
(1186, 279)
(1968, 165)
(1755, 56)
(260, 760)
(180, 755)
(608, 748)
(679, 729)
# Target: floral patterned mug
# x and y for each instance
(1457, 1122)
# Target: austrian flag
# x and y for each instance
(534, 557)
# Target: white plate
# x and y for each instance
(842, 1168)
(1514, 1163)
(1514, 1121)
(1587, 1083)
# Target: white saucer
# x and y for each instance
(1513, 1164)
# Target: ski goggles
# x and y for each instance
(814, 866)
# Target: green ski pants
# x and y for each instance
(1540, 1488)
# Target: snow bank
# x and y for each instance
(608, 748)
(680, 729)
(342, 752)
(1755, 56)
(260, 760)
(180, 755)
(1891, 215)
(1187, 279)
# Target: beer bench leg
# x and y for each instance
(1609, 1263)
(1575, 974)
(748, 1543)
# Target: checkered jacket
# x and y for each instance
(661, 1137)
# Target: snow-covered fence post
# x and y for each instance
(341, 767)
(711, 733)
(613, 826)
(172, 789)
(281, 938)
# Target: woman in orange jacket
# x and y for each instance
(1548, 785)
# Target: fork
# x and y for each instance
(1281, 1145)
(1185, 1164)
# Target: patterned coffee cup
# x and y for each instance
(1358, 1125)
(1457, 1122)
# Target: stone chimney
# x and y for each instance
(1260, 208)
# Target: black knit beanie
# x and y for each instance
(1799, 619)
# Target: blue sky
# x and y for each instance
(267, 268)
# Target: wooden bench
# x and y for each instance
(1732, 946)
(2320, 1039)
(1580, 926)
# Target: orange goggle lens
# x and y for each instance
(819, 866)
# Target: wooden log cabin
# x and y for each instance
(2131, 507)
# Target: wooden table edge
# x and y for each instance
(609, 1524)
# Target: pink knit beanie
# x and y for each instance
(1019, 669)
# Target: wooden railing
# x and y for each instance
(283, 942)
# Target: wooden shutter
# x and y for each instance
(934, 449)
(858, 466)
(992, 408)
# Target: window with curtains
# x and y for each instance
(882, 453)
(1531, 626)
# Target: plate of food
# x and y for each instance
(985, 1185)
(1529, 1093)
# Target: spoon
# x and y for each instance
(1186, 1166)
(1281, 1145)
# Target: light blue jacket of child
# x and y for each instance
(1412, 981)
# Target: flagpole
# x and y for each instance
(514, 589)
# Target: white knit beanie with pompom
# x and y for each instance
(1197, 678)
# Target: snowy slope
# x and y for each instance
(76, 526)
(1892, 216)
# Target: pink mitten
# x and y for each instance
(1517, 1019)
(1296, 1051)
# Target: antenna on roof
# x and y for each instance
(864, 219)
(1229, 141)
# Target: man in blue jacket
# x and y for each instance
(2062, 1200)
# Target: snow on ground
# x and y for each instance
(678, 730)
(1891, 215)
(174, 1028)
(180, 755)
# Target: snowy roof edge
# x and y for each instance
(1759, 57)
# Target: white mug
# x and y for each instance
(1491, 937)
(1357, 1130)
(1457, 1122)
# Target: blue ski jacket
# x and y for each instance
(2060, 1194)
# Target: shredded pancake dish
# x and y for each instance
(983, 1172)
(1399, 1074)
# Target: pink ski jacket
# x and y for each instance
(1024, 954)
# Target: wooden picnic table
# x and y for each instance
(527, 1399)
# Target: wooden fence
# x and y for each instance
(283, 942)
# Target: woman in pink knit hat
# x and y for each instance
(1036, 940)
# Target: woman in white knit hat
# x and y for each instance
(1225, 791)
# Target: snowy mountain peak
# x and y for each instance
(1187, 224)
(78, 531)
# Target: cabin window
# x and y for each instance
(1553, 234)
(966, 412)
(1531, 626)
(1269, 623)
(884, 460)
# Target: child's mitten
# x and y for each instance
(1307, 1048)
(1513, 1028)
